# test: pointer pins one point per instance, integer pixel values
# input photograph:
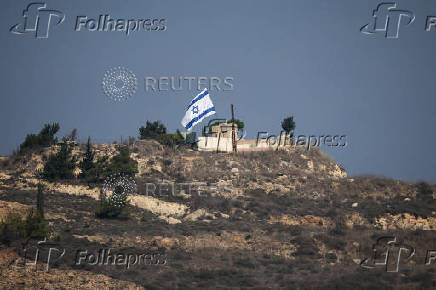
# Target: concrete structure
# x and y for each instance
(223, 129)
(224, 144)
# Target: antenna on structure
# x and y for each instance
(233, 130)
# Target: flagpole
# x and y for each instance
(233, 130)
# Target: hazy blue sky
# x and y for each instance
(302, 58)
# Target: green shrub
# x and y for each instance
(122, 164)
(44, 138)
(98, 172)
(60, 165)
(72, 136)
(288, 124)
(105, 210)
(238, 123)
(170, 140)
(87, 163)
(152, 130)
(40, 201)
(31, 141)
(156, 130)
(114, 206)
(424, 191)
(13, 227)
(35, 225)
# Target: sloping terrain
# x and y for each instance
(286, 219)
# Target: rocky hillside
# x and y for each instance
(286, 219)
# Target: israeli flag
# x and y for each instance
(199, 108)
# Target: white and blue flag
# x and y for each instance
(199, 108)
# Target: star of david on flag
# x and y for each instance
(199, 108)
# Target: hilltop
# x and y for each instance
(264, 220)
